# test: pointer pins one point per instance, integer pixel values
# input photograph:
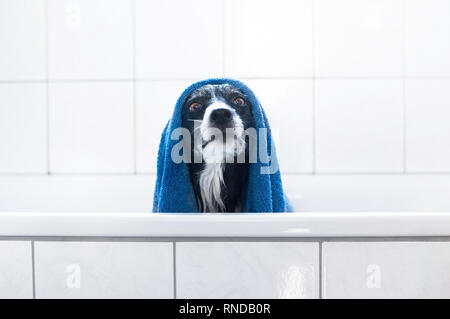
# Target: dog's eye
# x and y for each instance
(195, 106)
(239, 101)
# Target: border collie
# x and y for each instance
(219, 116)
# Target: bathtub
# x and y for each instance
(360, 237)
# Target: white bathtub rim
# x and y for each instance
(302, 225)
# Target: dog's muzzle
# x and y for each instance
(221, 132)
(222, 119)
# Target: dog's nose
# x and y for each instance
(220, 116)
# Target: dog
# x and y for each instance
(219, 115)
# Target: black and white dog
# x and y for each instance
(220, 116)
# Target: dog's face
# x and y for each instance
(220, 114)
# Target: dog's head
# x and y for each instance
(219, 115)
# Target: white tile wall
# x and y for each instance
(428, 129)
(330, 75)
(359, 126)
(155, 101)
(115, 269)
(336, 76)
(264, 39)
(22, 30)
(247, 270)
(386, 270)
(289, 108)
(358, 38)
(16, 270)
(178, 39)
(90, 39)
(308, 193)
(368, 192)
(91, 127)
(74, 193)
(427, 33)
(104, 270)
(23, 128)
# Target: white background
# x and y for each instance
(351, 87)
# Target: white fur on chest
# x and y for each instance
(217, 152)
(211, 180)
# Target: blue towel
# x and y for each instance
(173, 189)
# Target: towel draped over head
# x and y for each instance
(173, 190)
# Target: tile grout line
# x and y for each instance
(281, 78)
(47, 84)
(404, 100)
(174, 245)
(221, 239)
(313, 87)
(33, 269)
(134, 87)
(223, 37)
(320, 271)
(324, 279)
(309, 174)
